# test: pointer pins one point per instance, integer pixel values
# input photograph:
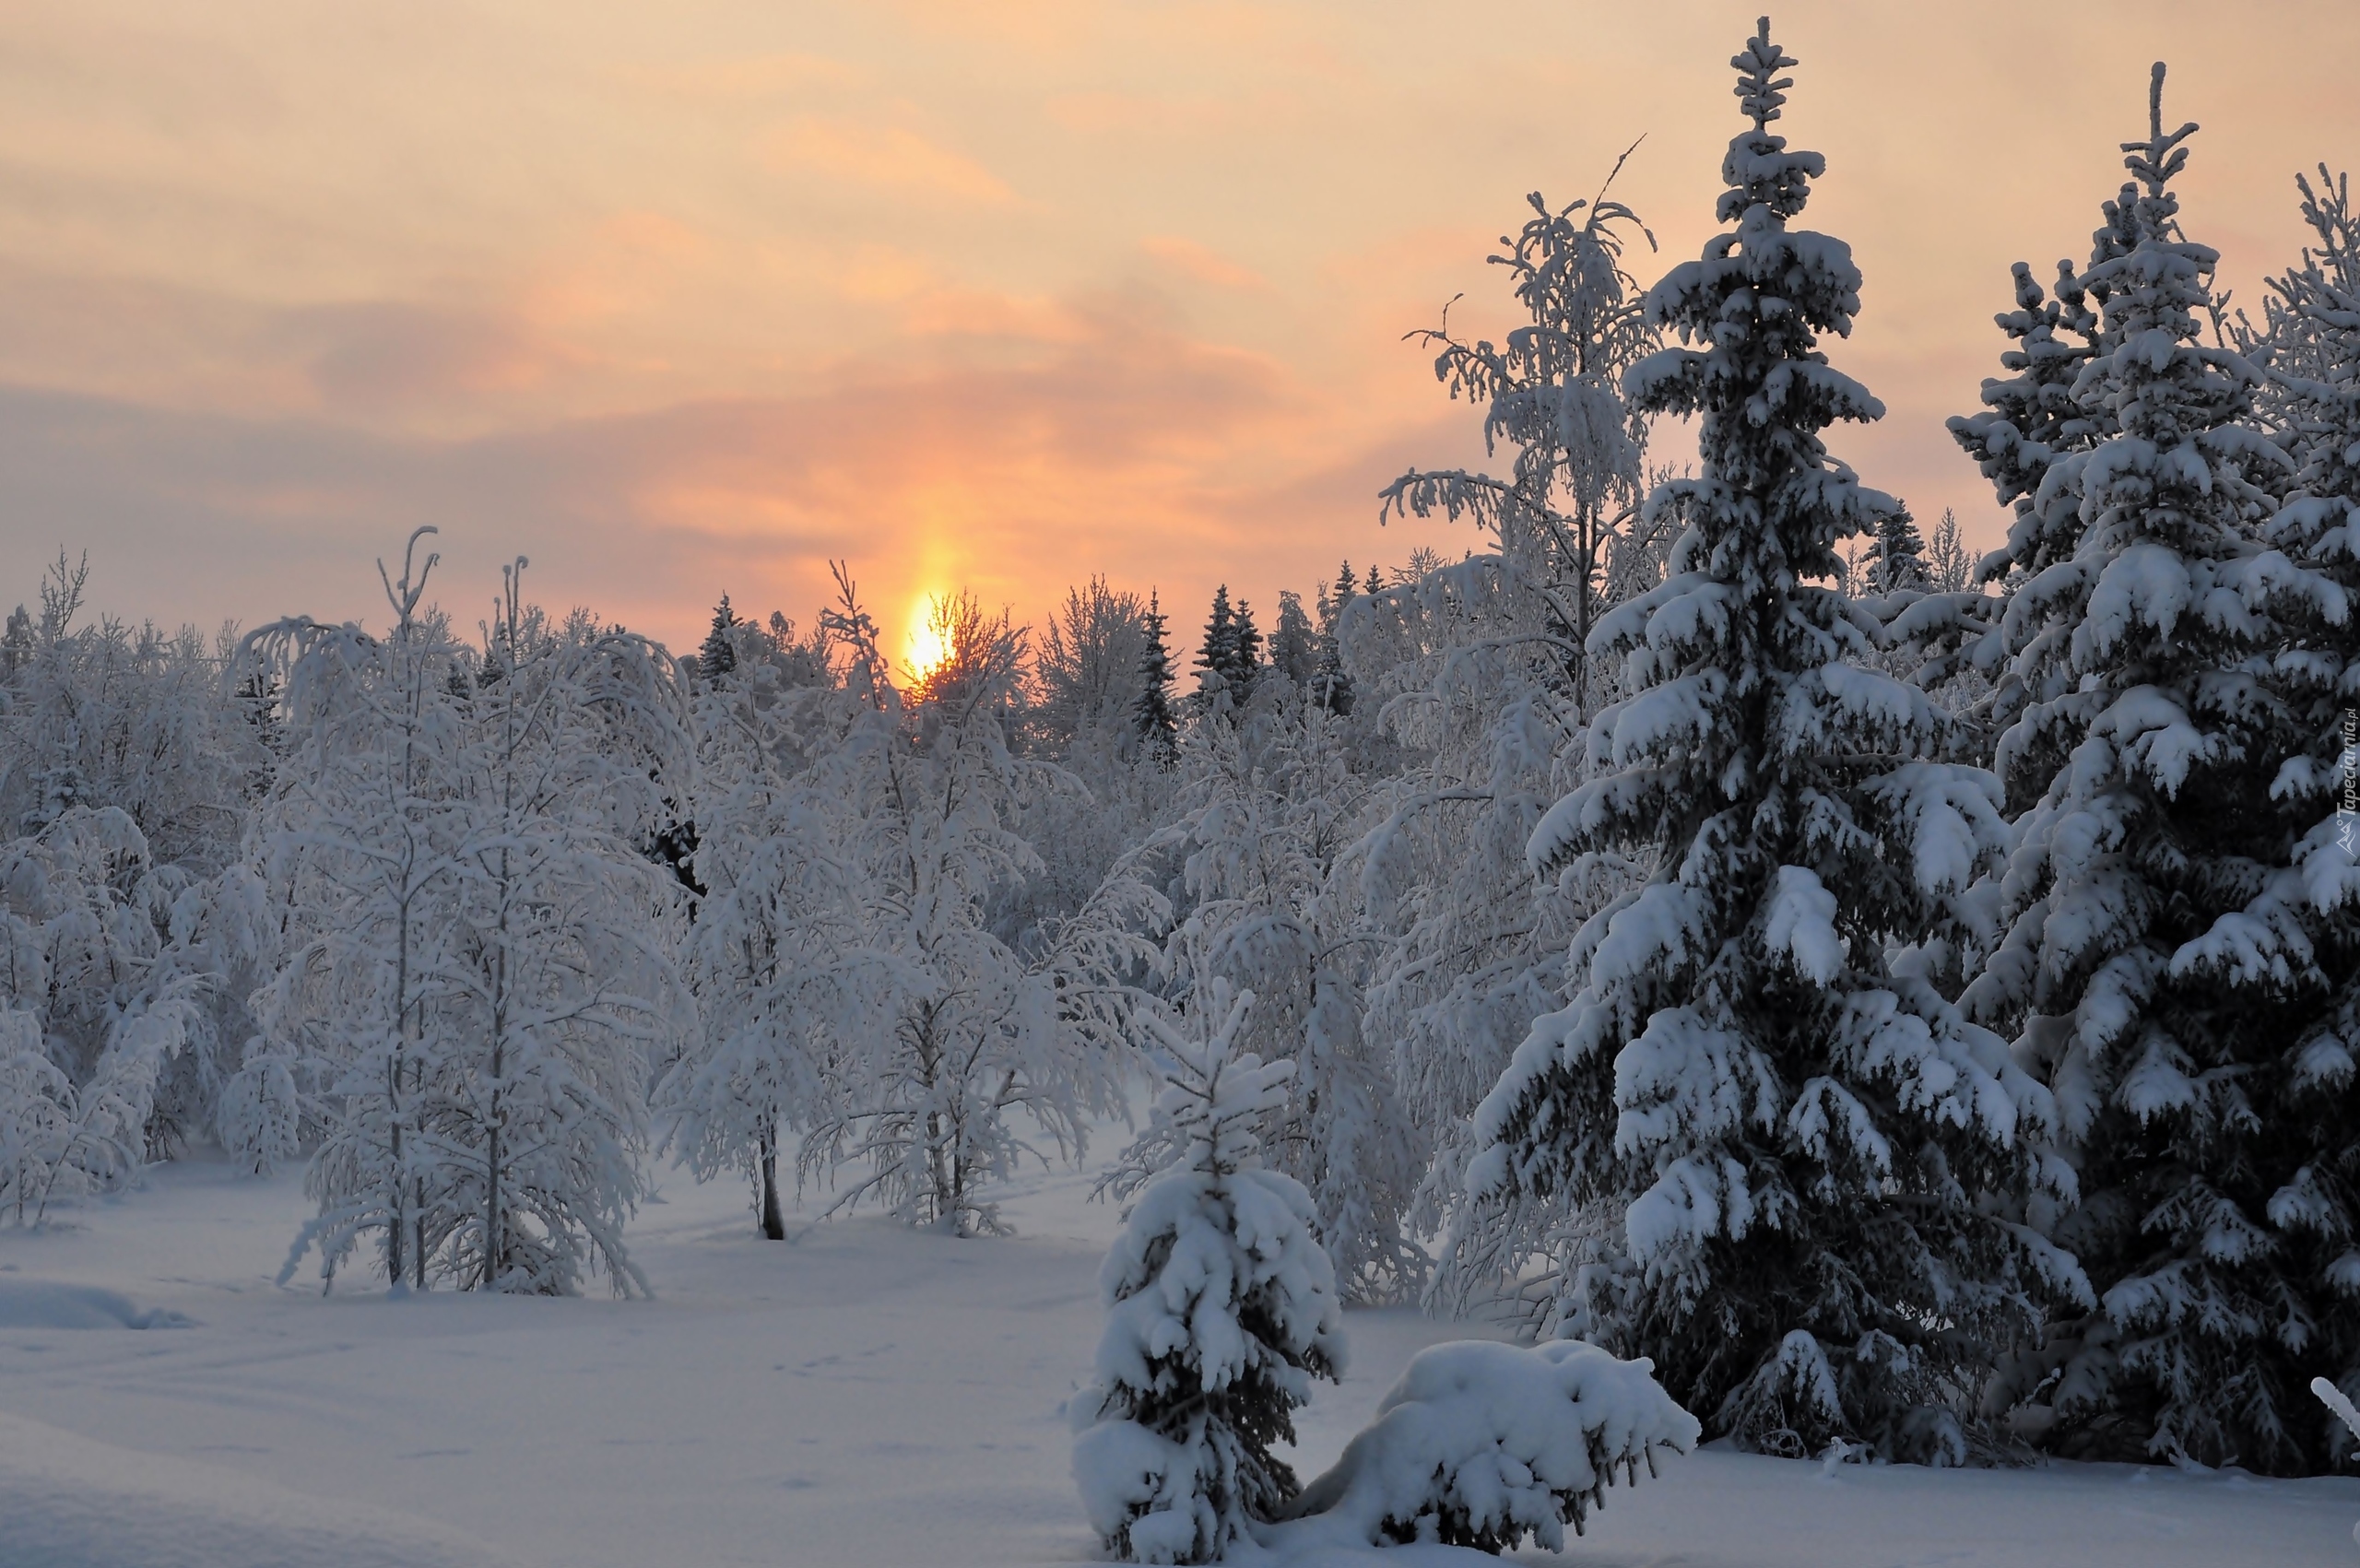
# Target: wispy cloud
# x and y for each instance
(1202, 263)
(1132, 449)
(888, 156)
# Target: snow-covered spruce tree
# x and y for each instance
(1484, 680)
(1247, 666)
(1268, 809)
(478, 977)
(1221, 1308)
(1215, 659)
(2312, 400)
(2152, 954)
(2032, 421)
(976, 1026)
(1815, 1159)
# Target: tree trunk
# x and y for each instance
(773, 1223)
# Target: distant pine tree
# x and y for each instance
(1331, 685)
(1152, 714)
(1246, 664)
(1216, 655)
(16, 643)
(718, 654)
(1896, 558)
(1295, 644)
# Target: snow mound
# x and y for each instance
(1481, 1444)
(70, 1502)
(42, 1303)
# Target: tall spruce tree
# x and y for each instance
(2312, 402)
(1153, 716)
(2150, 961)
(1798, 1162)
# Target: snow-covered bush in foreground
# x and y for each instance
(1221, 1308)
(1481, 1444)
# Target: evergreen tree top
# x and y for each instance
(1759, 170)
(1752, 307)
(1757, 64)
(2160, 158)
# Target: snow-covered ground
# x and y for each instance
(867, 1396)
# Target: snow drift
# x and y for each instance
(71, 1502)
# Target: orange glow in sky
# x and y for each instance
(695, 298)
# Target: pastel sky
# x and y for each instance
(694, 297)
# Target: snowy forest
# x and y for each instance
(1774, 974)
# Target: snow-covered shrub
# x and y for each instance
(1481, 1444)
(1221, 1309)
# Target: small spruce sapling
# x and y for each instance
(1221, 1309)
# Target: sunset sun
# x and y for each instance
(923, 649)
